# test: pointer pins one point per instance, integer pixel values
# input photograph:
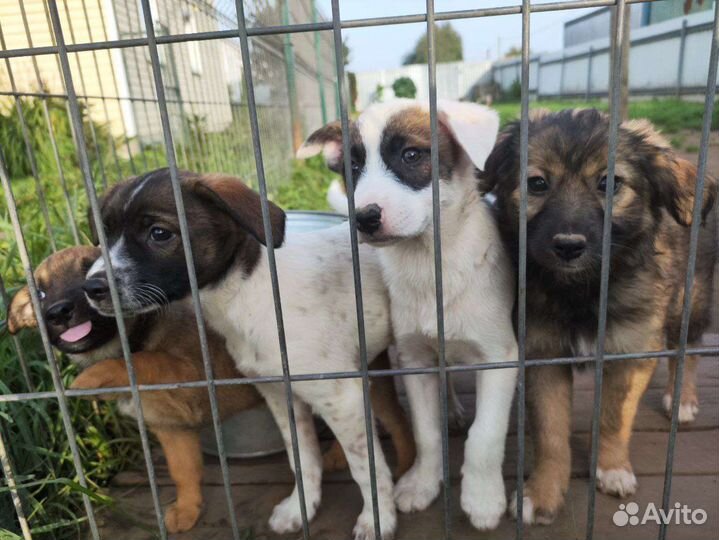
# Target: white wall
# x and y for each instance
(653, 62)
(454, 79)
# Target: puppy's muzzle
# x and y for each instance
(369, 219)
(96, 287)
(569, 246)
(60, 312)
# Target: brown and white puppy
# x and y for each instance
(166, 349)
(391, 167)
(318, 303)
(652, 209)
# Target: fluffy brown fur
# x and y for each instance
(653, 203)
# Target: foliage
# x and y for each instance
(513, 93)
(513, 52)
(378, 95)
(352, 80)
(307, 188)
(404, 87)
(448, 47)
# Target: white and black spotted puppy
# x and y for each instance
(390, 145)
(318, 303)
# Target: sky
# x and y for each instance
(385, 47)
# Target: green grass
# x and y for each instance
(669, 115)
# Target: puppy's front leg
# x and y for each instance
(549, 401)
(343, 410)
(184, 461)
(287, 516)
(483, 497)
(623, 386)
(419, 486)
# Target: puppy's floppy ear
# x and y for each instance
(673, 179)
(20, 313)
(501, 160)
(677, 190)
(328, 140)
(242, 204)
(473, 126)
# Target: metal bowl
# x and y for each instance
(253, 433)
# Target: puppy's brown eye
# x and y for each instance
(158, 234)
(602, 185)
(355, 166)
(41, 294)
(537, 185)
(411, 155)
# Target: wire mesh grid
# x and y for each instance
(159, 114)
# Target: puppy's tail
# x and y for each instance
(337, 197)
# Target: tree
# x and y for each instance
(513, 52)
(448, 47)
(378, 94)
(404, 87)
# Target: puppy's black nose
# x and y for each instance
(369, 218)
(60, 312)
(96, 287)
(569, 246)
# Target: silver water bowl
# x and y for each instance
(253, 433)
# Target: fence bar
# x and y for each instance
(311, 27)
(76, 119)
(91, 124)
(703, 351)
(262, 185)
(691, 264)
(54, 370)
(189, 261)
(138, 74)
(16, 341)
(12, 486)
(589, 73)
(682, 48)
(29, 149)
(616, 70)
(103, 100)
(437, 245)
(522, 266)
(343, 99)
(51, 133)
(318, 56)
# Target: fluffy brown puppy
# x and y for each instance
(652, 209)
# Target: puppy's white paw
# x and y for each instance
(530, 515)
(364, 528)
(617, 482)
(416, 490)
(483, 500)
(287, 516)
(687, 411)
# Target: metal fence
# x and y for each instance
(580, 71)
(151, 43)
